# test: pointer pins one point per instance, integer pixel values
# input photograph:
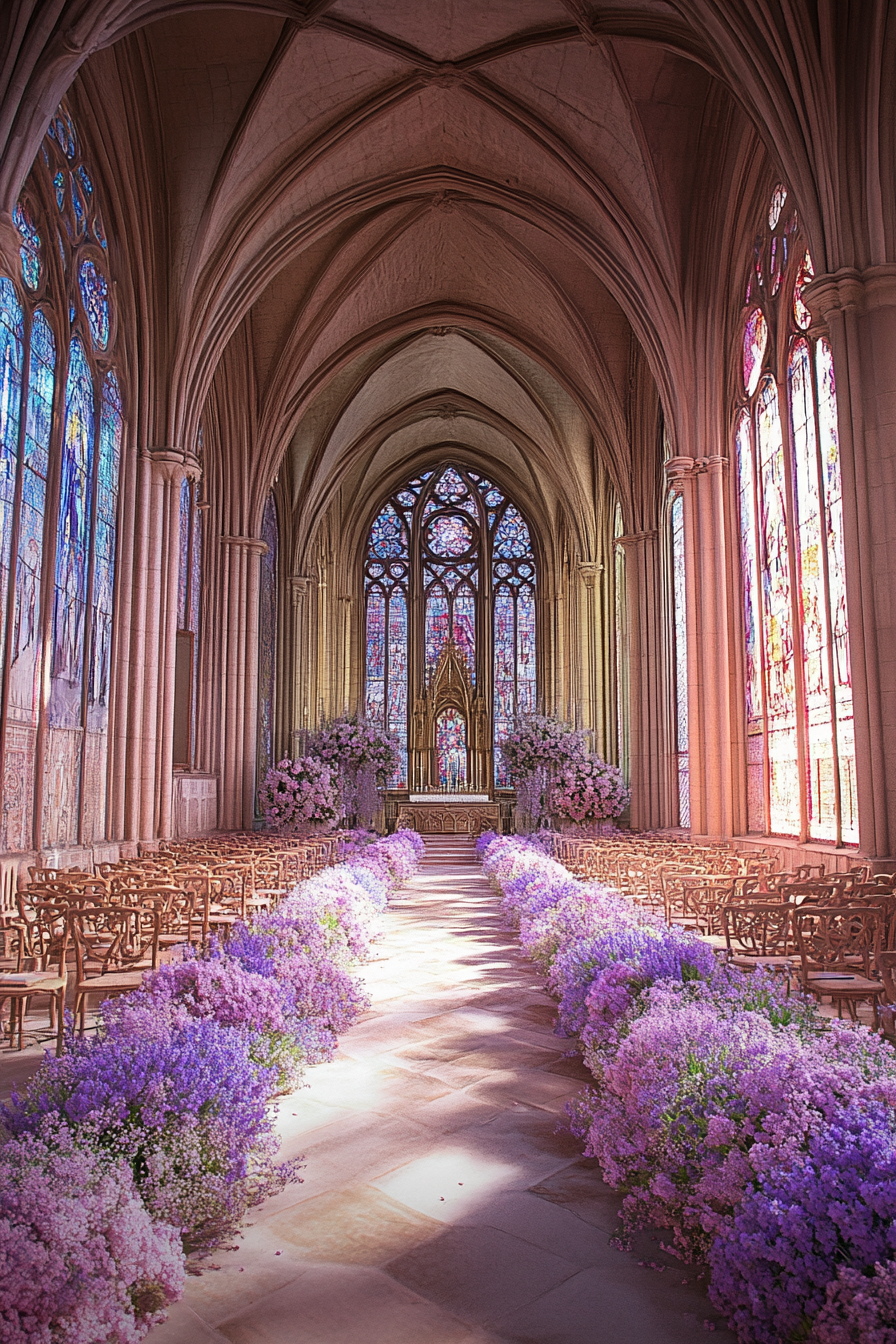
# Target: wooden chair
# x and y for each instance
(838, 945)
(114, 946)
(45, 944)
(759, 934)
(703, 898)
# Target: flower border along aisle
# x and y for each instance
(762, 1135)
(150, 1141)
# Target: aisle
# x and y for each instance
(440, 1205)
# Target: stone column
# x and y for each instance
(702, 482)
(647, 681)
(589, 652)
(859, 309)
(153, 625)
(239, 680)
(344, 656)
(300, 587)
(189, 469)
(598, 679)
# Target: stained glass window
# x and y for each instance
(430, 550)
(76, 464)
(679, 606)
(108, 462)
(451, 750)
(829, 453)
(24, 662)
(70, 599)
(800, 749)
(449, 535)
(755, 344)
(397, 701)
(10, 415)
(186, 682)
(375, 704)
(94, 295)
(752, 627)
(183, 571)
(30, 249)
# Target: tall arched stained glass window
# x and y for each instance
(61, 431)
(386, 582)
(513, 570)
(11, 336)
(799, 721)
(450, 626)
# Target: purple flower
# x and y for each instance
(831, 1205)
(82, 1260)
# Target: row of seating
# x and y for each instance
(110, 925)
(833, 933)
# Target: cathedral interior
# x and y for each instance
(440, 366)
(609, 289)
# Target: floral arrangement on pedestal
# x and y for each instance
(148, 1143)
(589, 790)
(534, 752)
(300, 795)
(365, 757)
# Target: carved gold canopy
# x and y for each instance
(450, 687)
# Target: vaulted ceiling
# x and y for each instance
(501, 226)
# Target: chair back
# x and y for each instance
(111, 939)
(758, 929)
(44, 939)
(838, 937)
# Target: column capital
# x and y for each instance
(590, 571)
(192, 466)
(714, 465)
(167, 461)
(679, 469)
(300, 586)
(850, 289)
(254, 545)
(633, 539)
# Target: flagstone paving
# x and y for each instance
(443, 1201)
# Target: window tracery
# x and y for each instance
(798, 691)
(450, 546)
(61, 426)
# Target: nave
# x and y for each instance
(442, 1201)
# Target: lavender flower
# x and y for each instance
(185, 1108)
(832, 1205)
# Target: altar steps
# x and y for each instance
(452, 850)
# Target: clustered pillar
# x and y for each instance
(238, 659)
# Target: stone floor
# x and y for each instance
(443, 1202)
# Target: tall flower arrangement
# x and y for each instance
(588, 790)
(300, 795)
(538, 747)
(364, 757)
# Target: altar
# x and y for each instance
(449, 814)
